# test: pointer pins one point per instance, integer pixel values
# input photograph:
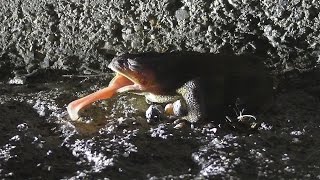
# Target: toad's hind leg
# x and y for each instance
(193, 96)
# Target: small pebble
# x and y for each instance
(154, 113)
(168, 109)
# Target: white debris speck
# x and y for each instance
(285, 157)
(296, 133)
(17, 81)
(265, 126)
(5, 154)
(256, 153)
(289, 169)
(159, 131)
(22, 127)
(15, 138)
(40, 107)
(120, 120)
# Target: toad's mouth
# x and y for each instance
(120, 83)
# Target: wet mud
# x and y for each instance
(113, 139)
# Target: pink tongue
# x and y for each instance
(117, 82)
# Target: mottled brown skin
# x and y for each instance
(207, 82)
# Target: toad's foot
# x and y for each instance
(182, 123)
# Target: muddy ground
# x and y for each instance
(114, 140)
(48, 39)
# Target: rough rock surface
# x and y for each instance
(81, 34)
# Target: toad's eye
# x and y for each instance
(120, 61)
(134, 65)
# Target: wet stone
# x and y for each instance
(154, 113)
(168, 109)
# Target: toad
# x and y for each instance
(207, 83)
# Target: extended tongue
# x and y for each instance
(116, 83)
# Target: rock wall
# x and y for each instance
(74, 35)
